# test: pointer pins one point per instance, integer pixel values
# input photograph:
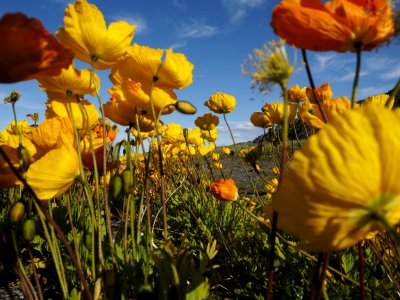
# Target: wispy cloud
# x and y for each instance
(393, 73)
(350, 76)
(377, 63)
(135, 19)
(197, 29)
(373, 90)
(324, 60)
(179, 4)
(238, 9)
(178, 45)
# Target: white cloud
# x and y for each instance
(133, 19)
(350, 76)
(394, 73)
(377, 63)
(179, 4)
(197, 29)
(178, 45)
(372, 90)
(324, 60)
(238, 9)
(244, 126)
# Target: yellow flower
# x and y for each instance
(71, 80)
(173, 133)
(59, 107)
(54, 173)
(312, 116)
(217, 165)
(260, 119)
(210, 135)
(324, 92)
(215, 156)
(85, 32)
(226, 150)
(207, 122)
(142, 63)
(194, 137)
(274, 112)
(221, 103)
(297, 94)
(343, 181)
(377, 99)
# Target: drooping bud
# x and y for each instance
(115, 187)
(17, 212)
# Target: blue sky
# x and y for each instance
(216, 36)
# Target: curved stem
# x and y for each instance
(52, 222)
(395, 91)
(311, 80)
(357, 75)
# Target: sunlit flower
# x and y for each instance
(296, 94)
(225, 189)
(173, 133)
(215, 156)
(339, 25)
(54, 173)
(324, 92)
(207, 121)
(217, 165)
(311, 115)
(210, 135)
(274, 112)
(226, 150)
(194, 136)
(260, 119)
(70, 81)
(28, 50)
(377, 99)
(343, 182)
(85, 32)
(143, 63)
(221, 103)
(60, 107)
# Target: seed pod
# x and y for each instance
(127, 181)
(17, 212)
(29, 230)
(115, 187)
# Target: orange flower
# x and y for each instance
(225, 189)
(339, 25)
(28, 50)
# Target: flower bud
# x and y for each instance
(29, 230)
(17, 212)
(115, 187)
(185, 107)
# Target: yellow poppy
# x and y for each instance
(60, 107)
(210, 135)
(221, 103)
(71, 80)
(28, 50)
(54, 173)
(343, 182)
(85, 32)
(377, 99)
(207, 121)
(274, 112)
(143, 63)
(226, 150)
(324, 92)
(297, 94)
(260, 119)
(217, 165)
(339, 25)
(194, 137)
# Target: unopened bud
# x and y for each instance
(185, 107)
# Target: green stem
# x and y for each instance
(285, 130)
(357, 46)
(105, 193)
(395, 91)
(237, 154)
(311, 80)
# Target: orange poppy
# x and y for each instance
(28, 50)
(339, 25)
(225, 189)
